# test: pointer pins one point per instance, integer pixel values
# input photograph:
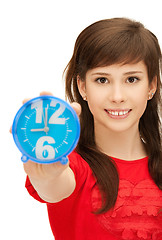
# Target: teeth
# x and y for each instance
(115, 113)
(121, 113)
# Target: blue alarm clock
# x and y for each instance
(46, 129)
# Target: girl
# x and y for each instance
(111, 187)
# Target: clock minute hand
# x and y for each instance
(46, 116)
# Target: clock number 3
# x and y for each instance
(55, 118)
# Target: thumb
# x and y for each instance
(77, 108)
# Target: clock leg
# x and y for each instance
(64, 160)
(24, 158)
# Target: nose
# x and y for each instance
(117, 94)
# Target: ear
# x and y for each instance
(81, 87)
(152, 87)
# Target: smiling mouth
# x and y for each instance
(118, 113)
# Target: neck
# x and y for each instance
(123, 145)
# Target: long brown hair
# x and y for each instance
(106, 42)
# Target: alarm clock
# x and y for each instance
(46, 129)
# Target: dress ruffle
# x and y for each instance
(136, 214)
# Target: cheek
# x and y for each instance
(141, 102)
(93, 103)
(140, 94)
(94, 100)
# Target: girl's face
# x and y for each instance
(117, 95)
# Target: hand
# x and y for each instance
(54, 181)
(27, 99)
(77, 108)
(34, 169)
(74, 105)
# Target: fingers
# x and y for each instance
(10, 129)
(77, 108)
(46, 93)
(37, 170)
(41, 94)
(25, 100)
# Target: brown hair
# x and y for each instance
(106, 42)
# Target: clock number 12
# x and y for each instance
(55, 118)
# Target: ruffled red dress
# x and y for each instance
(137, 214)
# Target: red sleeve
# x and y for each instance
(80, 168)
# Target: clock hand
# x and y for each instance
(45, 129)
(46, 116)
(37, 130)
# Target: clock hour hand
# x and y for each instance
(37, 130)
(45, 129)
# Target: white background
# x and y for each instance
(36, 42)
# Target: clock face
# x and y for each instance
(46, 129)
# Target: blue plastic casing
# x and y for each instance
(46, 129)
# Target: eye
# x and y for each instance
(102, 80)
(132, 79)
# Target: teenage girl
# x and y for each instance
(111, 187)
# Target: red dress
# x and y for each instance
(137, 213)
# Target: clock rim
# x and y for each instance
(15, 137)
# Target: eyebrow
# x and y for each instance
(108, 74)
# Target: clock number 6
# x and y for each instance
(54, 119)
(42, 151)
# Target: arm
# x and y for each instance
(53, 182)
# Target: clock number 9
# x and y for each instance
(54, 119)
(45, 151)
